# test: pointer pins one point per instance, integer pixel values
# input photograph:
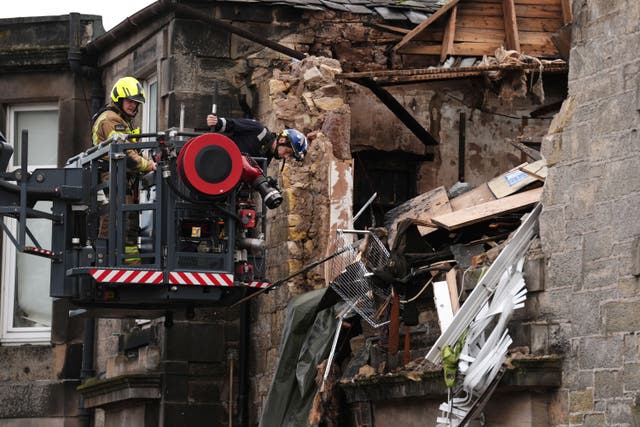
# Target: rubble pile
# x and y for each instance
(441, 243)
(305, 96)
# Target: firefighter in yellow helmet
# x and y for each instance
(114, 120)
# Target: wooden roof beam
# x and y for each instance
(567, 15)
(417, 30)
(449, 35)
(512, 39)
(547, 66)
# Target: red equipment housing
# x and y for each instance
(210, 164)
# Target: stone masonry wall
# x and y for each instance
(317, 200)
(590, 224)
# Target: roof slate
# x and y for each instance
(395, 10)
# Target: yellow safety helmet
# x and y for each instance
(129, 88)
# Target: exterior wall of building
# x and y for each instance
(191, 61)
(317, 195)
(589, 225)
(196, 67)
(302, 237)
(38, 382)
(192, 357)
(33, 70)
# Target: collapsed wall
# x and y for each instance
(305, 96)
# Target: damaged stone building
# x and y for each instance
(426, 104)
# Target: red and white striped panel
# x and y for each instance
(39, 251)
(260, 285)
(111, 275)
(196, 278)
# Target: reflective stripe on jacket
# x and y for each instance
(110, 123)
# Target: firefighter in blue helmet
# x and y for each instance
(253, 138)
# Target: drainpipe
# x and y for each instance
(75, 57)
(232, 355)
(75, 64)
(87, 371)
(462, 135)
(245, 329)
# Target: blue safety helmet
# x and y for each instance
(298, 142)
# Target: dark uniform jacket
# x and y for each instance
(251, 136)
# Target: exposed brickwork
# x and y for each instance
(587, 225)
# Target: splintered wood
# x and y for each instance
(421, 209)
(510, 182)
(481, 212)
(479, 28)
(537, 169)
(474, 197)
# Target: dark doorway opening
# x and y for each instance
(392, 175)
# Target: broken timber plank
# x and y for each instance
(567, 16)
(473, 197)
(534, 154)
(420, 28)
(391, 28)
(540, 51)
(510, 182)
(452, 282)
(394, 324)
(421, 208)
(449, 35)
(537, 169)
(484, 211)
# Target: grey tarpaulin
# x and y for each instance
(306, 341)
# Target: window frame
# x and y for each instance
(144, 125)
(146, 110)
(9, 334)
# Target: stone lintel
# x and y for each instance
(50, 58)
(102, 393)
